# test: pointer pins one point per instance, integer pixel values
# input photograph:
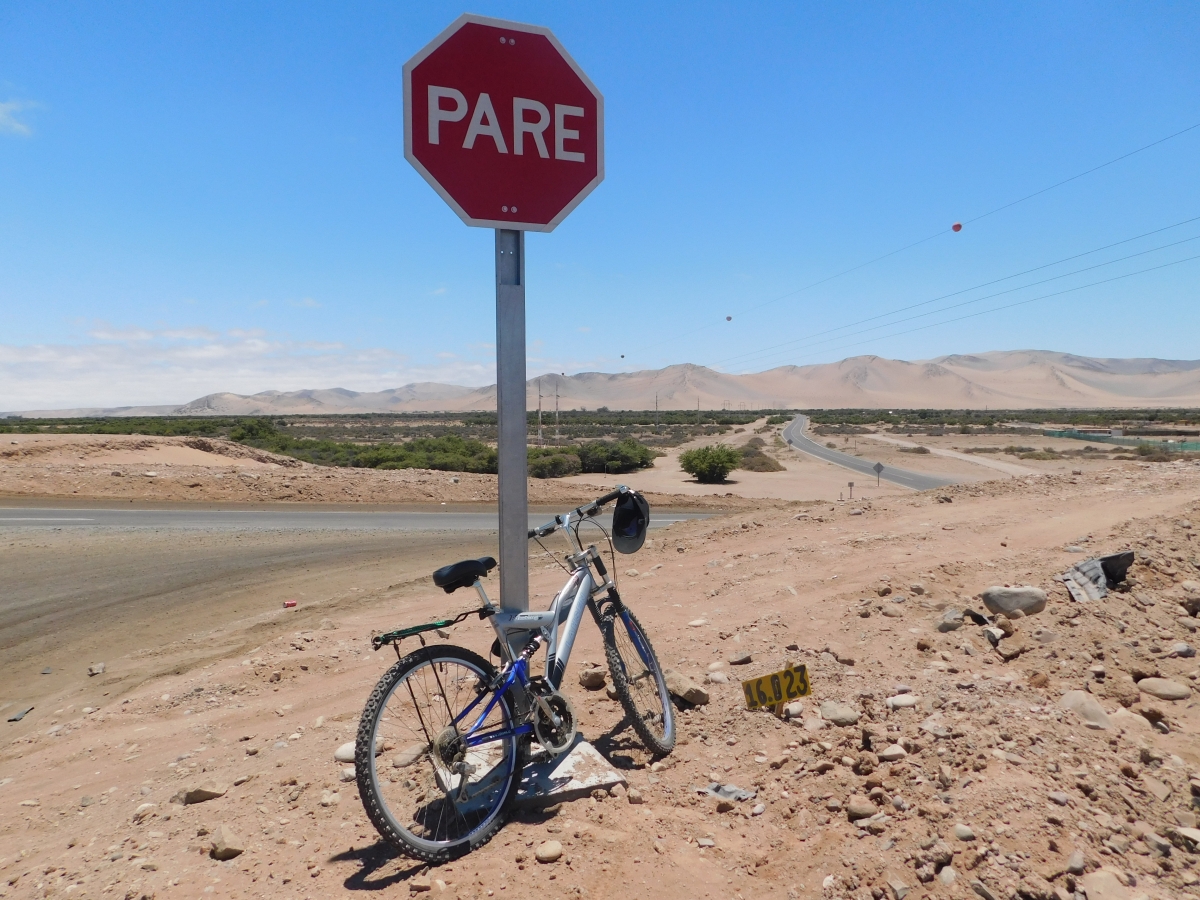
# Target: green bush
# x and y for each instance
(553, 463)
(778, 420)
(615, 457)
(755, 460)
(710, 465)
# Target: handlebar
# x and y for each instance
(588, 510)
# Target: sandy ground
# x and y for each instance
(87, 778)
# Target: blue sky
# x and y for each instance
(213, 196)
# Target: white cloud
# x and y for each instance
(9, 123)
(133, 366)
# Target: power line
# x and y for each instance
(767, 350)
(943, 231)
(1023, 302)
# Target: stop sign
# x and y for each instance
(503, 123)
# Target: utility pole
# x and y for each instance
(557, 438)
(540, 442)
(656, 412)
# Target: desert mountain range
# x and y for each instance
(1016, 379)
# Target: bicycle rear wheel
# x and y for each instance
(423, 788)
(638, 679)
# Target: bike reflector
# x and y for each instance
(631, 518)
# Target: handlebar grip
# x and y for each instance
(607, 498)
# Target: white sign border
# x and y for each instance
(468, 18)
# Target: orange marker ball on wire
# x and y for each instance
(957, 226)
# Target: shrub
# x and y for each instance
(914, 449)
(710, 465)
(755, 460)
(778, 420)
(615, 457)
(553, 464)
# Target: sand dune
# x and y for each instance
(1018, 379)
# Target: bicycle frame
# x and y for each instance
(558, 626)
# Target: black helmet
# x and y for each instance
(631, 518)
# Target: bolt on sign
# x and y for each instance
(503, 124)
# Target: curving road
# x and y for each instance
(917, 481)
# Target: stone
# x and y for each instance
(793, 710)
(1164, 688)
(408, 756)
(1183, 651)
(1076, 863)
(963, 832)
(210, 790)
(697, 623)
(898, 888)
(634, 796)
(685, 688)
(892, 612)
(893, 753)
(706, 843)
(724, 806)
(330, 798)
(902, 701)
(548, 852)
(347, 774)
(1085, 706)
(860, 807)
(716, 666)
(740, 659)
(1122, 689)
(593, 679)
(840, 714)
(345, 753)
(1103, 884)
(717, 678)
(947, 876)
(950, 620)
(226, 844)
(143, 812)
(1058, 798)
(759, 809)
(95, 669)
(1026, 600)
(982, 890)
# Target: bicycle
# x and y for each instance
(436, 773)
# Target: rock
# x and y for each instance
(634, 796)
(860, 807)
(1164, 688)
(902, 701)
(95, 669)
(419, 884)
(898, 888)
(345, 753)
(1183, 651)
(330, 798)
(717, 678)
(740, 659)
(143, 812)
(1085, 706)
(917, 588)
(347, 774)
(1156, 842)
(841, 714)
(210, 790)
(548, 852)
(226, 844)
(892, 612)
(963, 832)
(1104, 885)
(982, 890)
(685, 688)
(593, 679)
(408, 756)
(947, 876)
(716, 666)
(1128, 721)
(1121, 689)
(706, 843)
(724, 806)
(950, 620)
(759, 809)
(893, 753)
(793, 710)
(1076, 863)
(697, 623)
(1058, 798)
(1026, 600)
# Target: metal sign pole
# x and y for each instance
(512, 465)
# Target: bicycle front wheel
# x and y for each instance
(638, 680)
(424, 788)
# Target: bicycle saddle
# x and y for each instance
(462, 574)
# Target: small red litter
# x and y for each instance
(288, 604)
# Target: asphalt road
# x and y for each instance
(275, 519)
(794, 435)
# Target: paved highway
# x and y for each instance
(276, 519)
(794, 435)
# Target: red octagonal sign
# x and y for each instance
(503, 123)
